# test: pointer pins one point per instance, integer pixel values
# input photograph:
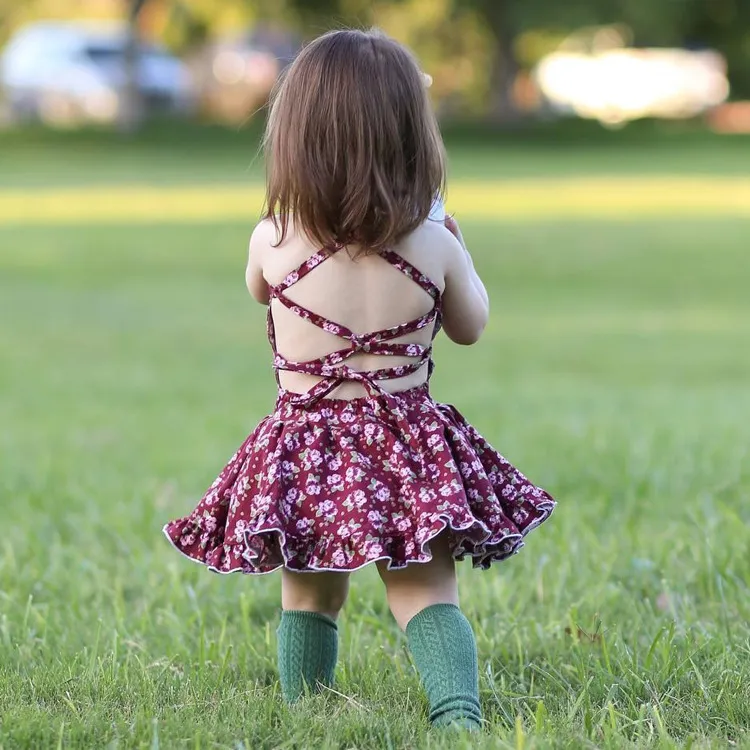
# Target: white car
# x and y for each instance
(69, 73)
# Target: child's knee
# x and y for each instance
(304, 593)
(329, 603)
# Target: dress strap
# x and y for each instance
(304, 268)
(413, 273)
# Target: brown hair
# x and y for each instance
(353, 149)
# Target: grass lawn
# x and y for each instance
(614, 373)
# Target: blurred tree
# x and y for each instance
(132, 111)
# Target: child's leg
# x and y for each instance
(424, 600)
(307, 634)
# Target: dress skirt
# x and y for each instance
(343, 483)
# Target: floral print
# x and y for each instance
(331, 484)
(338, 491)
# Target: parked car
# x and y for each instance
(70, 73)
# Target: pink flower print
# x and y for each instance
(316, 457)
(434, 441)
(334, 464)
(262, 503)
(239, 530)
(209, 523)
(334, 479)
(338, 558)
(332, 328)
(374, 518)
(426, 495)
(292, 495)
(304, 525)
(291, 441)
(382, 494)
(313, 486)
(373, 549)
(336, 358)
(288, 469)
(403, 524)
(360, 498)
(188, 539)
(325, 507)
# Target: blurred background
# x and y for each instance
(67, 63)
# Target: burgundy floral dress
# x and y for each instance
(333, 484)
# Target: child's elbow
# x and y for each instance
(467, 332)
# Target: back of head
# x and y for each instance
(353, 148)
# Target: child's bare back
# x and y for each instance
(366, 293)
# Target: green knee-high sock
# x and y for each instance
(308, 648)
(442, 644)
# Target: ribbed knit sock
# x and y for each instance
(308, 649)
(442, 644)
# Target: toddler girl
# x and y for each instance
(358, 464)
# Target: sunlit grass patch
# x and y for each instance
(519, 199)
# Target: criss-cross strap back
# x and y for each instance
(332, 367)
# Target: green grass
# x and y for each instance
(614, 372)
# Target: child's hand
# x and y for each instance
(452, 226)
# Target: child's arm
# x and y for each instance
(466, 304)
(254, 279)
(452, 226)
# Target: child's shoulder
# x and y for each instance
(263, 237)
(431, 240)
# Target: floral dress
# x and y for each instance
(333, 484)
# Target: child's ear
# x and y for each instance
(427, 78)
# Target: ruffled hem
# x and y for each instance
(387, 494)
(276, 544)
